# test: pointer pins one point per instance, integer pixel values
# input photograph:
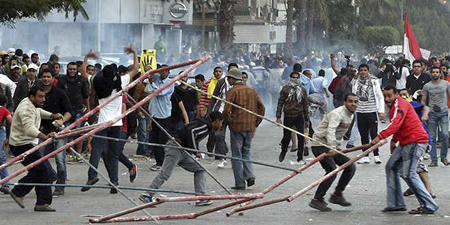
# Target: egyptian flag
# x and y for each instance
(411, 48)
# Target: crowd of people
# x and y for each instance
(363, 93)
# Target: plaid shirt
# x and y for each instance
(244, 96)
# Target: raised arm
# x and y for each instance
(135, 69)
(83, 72)
(333, 63)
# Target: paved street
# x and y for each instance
(367, 192)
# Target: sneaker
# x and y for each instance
(445, 162)
(377, 159)
(250, 181)
(281, 156)
(408, 192)
(146, 198)
(383, 121)
(58, 192)
(155, 168)
(421, 210)
(203, 202)
(89, 182)
(238, 188)
(113, 190)
(339, 199)
(133, 173)
(349, 146)
(4, 189)
(306, 151)
(426, 156)
(386, 210)
(43, 208)
(18, 200)
(433, 164)
(222, 163)
(320, 205)
(364, 160)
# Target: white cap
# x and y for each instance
(15, 66)
(11, 50)
(33, 66)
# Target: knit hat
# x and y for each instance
(235, 73)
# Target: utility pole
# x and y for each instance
(401, 9)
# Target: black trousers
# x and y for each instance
(329, 164)
(216, 142)
(37, 174)
(160, 137)
(368, 124)
(299, 124)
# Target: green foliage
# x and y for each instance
(14, 10)
(377, 37)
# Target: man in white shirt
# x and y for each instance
(107, 83)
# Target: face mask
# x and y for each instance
(295, 81)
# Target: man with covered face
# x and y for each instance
(434, 95)
(294, 103)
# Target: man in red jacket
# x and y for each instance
(408, 130)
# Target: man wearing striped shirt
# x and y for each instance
(188, 137)
(370, 107)
(242, 126)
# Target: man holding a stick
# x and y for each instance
(408, 130)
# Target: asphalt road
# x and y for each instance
(367, 193)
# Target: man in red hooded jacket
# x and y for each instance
(408, 131)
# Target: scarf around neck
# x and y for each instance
(295, 90)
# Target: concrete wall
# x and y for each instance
(254, 34)
(67, 37)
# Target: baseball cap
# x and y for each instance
(15, 66)
(33, 66)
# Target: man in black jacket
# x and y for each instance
(188, 137)
(416, 81)
(77, 89)
(25, 84)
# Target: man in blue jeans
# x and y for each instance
(56, 102)
(242, 126)
(434, 95)
(408, 130)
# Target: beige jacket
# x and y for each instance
(333, 127)
(26, 123)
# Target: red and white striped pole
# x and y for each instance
(96, 109)
(284, 180)
(109, 123)
(335, 171)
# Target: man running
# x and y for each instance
(330, 132)
(408, 130)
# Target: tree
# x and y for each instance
(20, 9)
(309, 27)
(288, 53)
(377, 37)
(226, 34)
(300, 11)
(380, 12)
